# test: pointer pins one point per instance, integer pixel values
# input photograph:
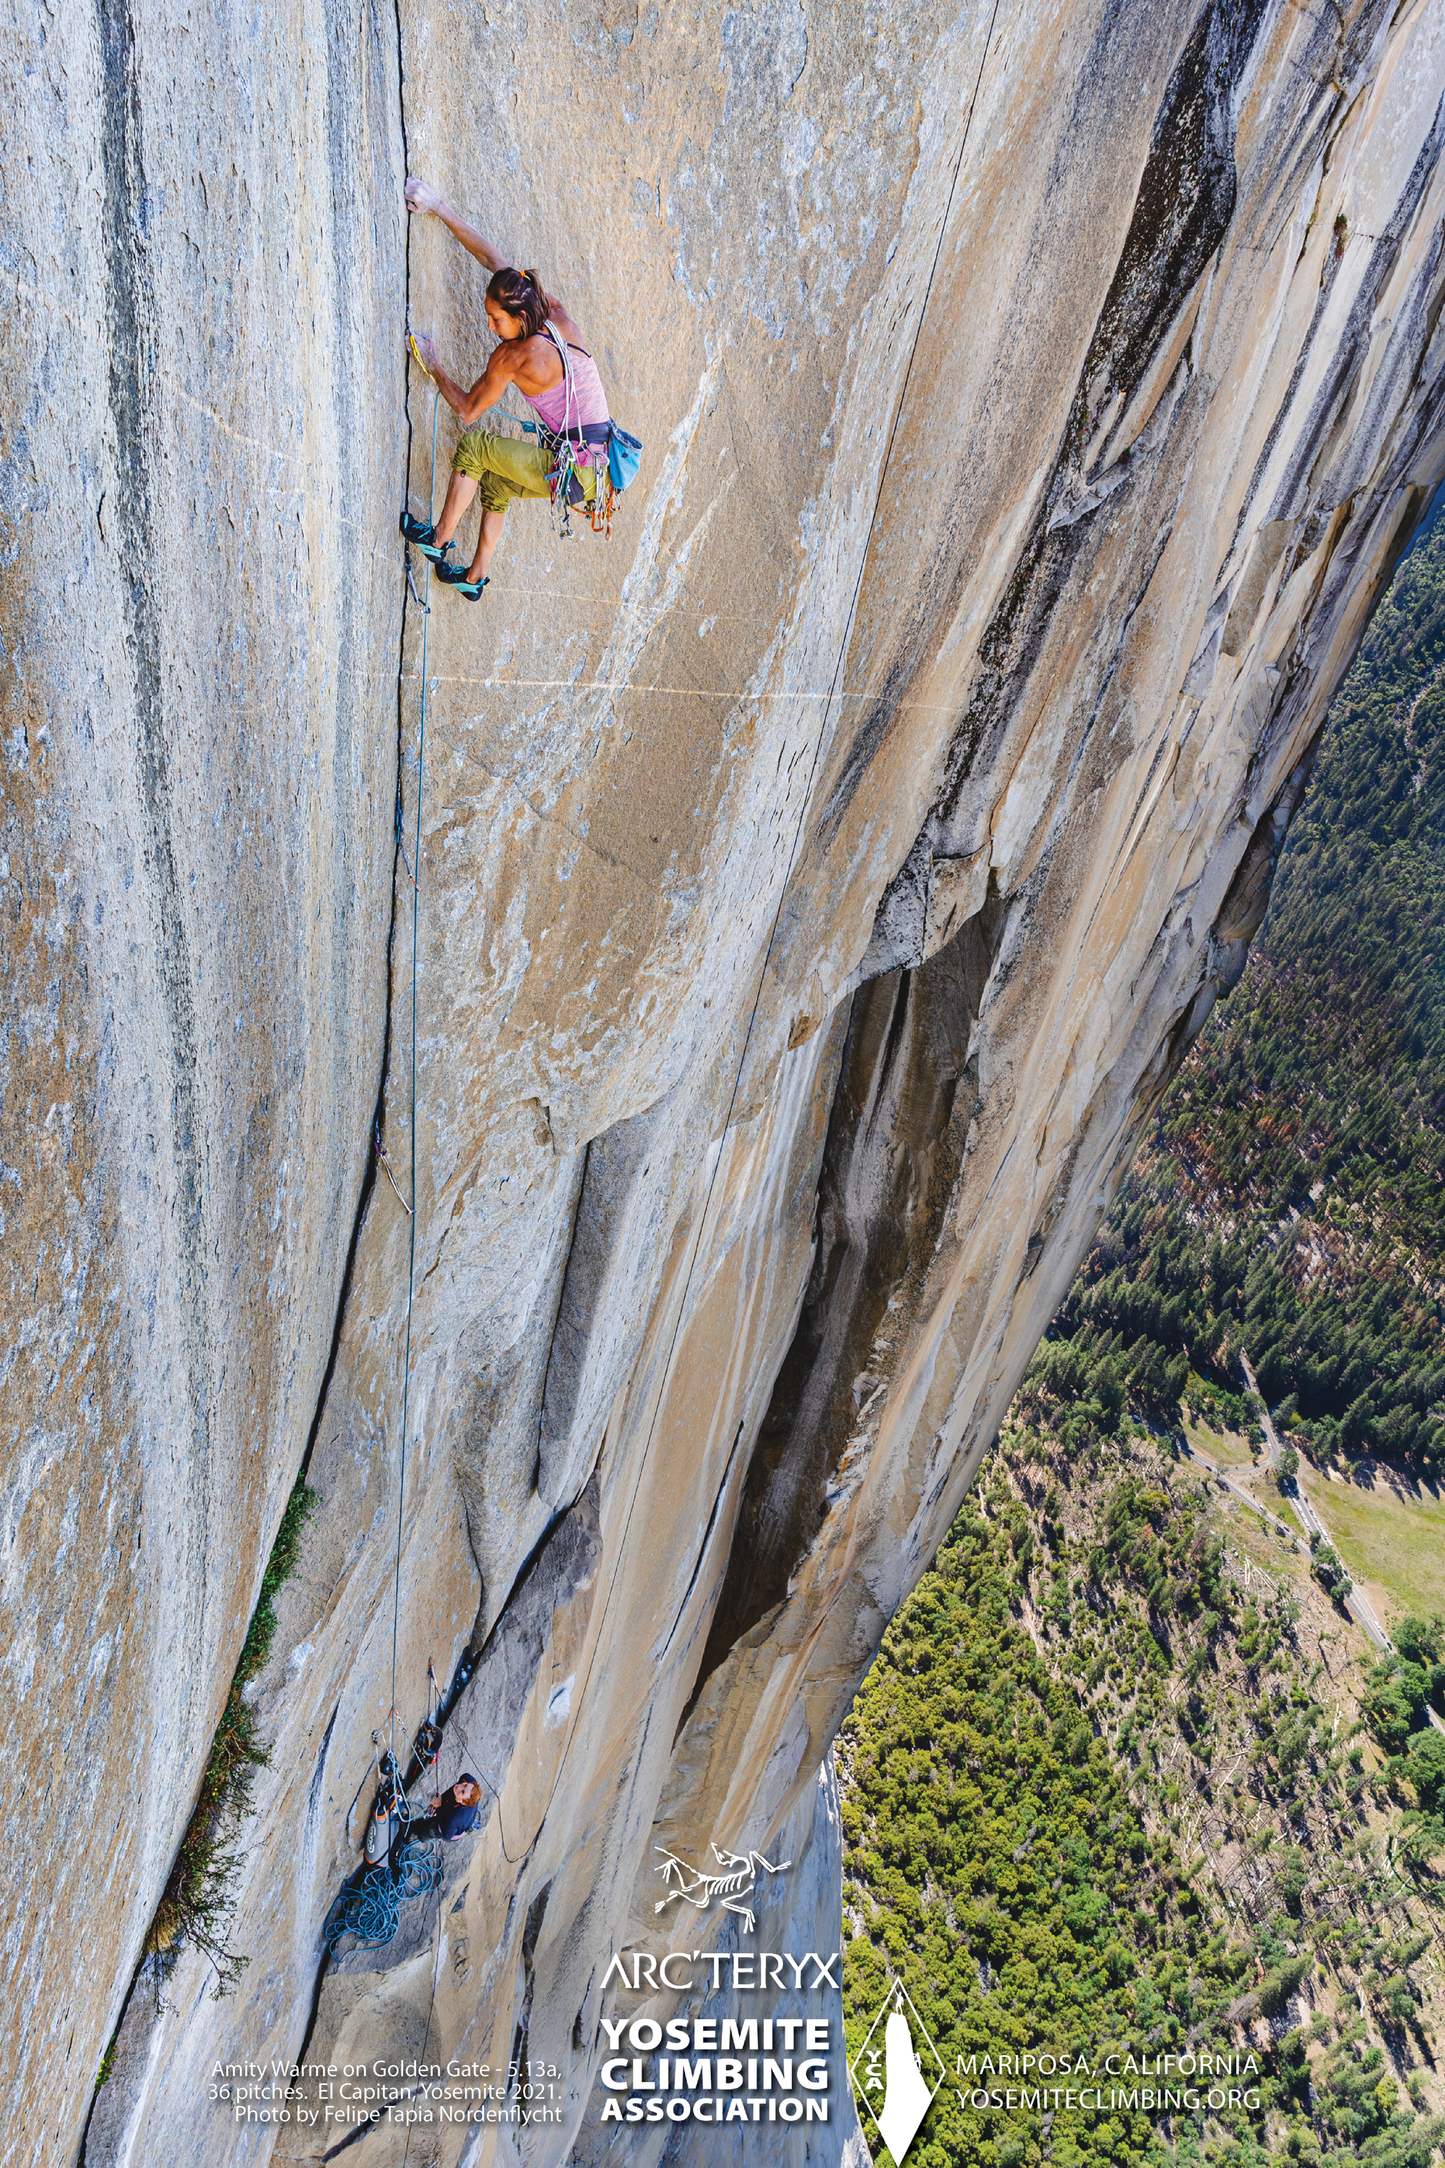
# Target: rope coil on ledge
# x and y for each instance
(371, 1909)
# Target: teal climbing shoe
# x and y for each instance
(423, 536)
(454, 577)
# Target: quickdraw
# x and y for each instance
(384, 1155)
(601, 505)
(428, 1741)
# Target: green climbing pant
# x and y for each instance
(507, 469)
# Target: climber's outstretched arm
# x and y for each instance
(421, 196)
(488, 389)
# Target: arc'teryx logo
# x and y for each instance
(899, 2070)
(731, 1888)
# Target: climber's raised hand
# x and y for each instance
(421, 196)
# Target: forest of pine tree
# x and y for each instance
(1125, 1779)
(1289, 1200)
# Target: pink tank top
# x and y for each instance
(560, 410)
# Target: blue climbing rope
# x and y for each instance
(415, 879)
(371, 1908)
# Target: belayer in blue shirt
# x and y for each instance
(453, 1812)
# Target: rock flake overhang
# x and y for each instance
(760, 1251)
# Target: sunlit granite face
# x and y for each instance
(819, 883)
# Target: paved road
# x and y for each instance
(1358, 1606)
(1274, 1452)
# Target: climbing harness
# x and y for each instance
(564, 481)
(565, 487)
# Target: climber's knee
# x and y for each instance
(502, 468)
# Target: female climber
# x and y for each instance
(540, 350)
(453, 1812)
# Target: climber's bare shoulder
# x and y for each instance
(568, 325)
(534, 364)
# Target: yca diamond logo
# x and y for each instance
(897, 2072)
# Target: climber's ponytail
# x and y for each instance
(521, 293)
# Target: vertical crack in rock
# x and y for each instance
(583, 2029)
(536, 1913)
(1182, 211)
(339, 157)
(896, 1142)
(313, 1789)
(563, 1566)
(128, 313)
(1181, 214)
(704, 1561)
(342, 157)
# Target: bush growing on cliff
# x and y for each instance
(195, 1905)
